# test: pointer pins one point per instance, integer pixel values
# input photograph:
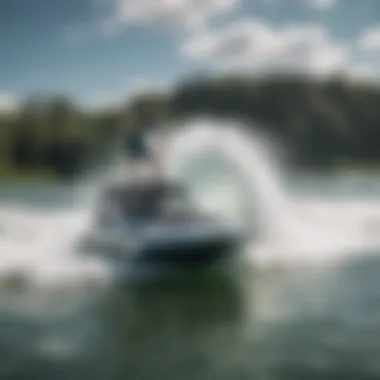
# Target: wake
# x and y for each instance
(231, 171)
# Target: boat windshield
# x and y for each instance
(151, 202)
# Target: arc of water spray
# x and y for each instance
(248, 154)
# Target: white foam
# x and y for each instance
(246, 186)
(292, 230)
(40, 247)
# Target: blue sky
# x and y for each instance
(100, 51)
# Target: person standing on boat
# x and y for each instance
(141, 152)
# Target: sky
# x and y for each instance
(102, 51)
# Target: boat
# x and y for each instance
(158, 222)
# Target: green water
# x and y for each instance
(279, 323)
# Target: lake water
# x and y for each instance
(302, 314)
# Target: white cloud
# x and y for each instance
(364, 71)
(78, 33)
(166, 13)
(7, 103)
(128, 91)
(144, 85)
(255, 46)
(370, 39)
(321, 4)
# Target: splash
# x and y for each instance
(226, 153)
(38, 248)
(231, 170)
(285, 229)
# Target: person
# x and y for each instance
(141, 152)
(137, 144)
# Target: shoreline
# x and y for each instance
(39, 177)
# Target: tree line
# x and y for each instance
(324, 122)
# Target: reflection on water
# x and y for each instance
(186, 331)
(279, 325)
